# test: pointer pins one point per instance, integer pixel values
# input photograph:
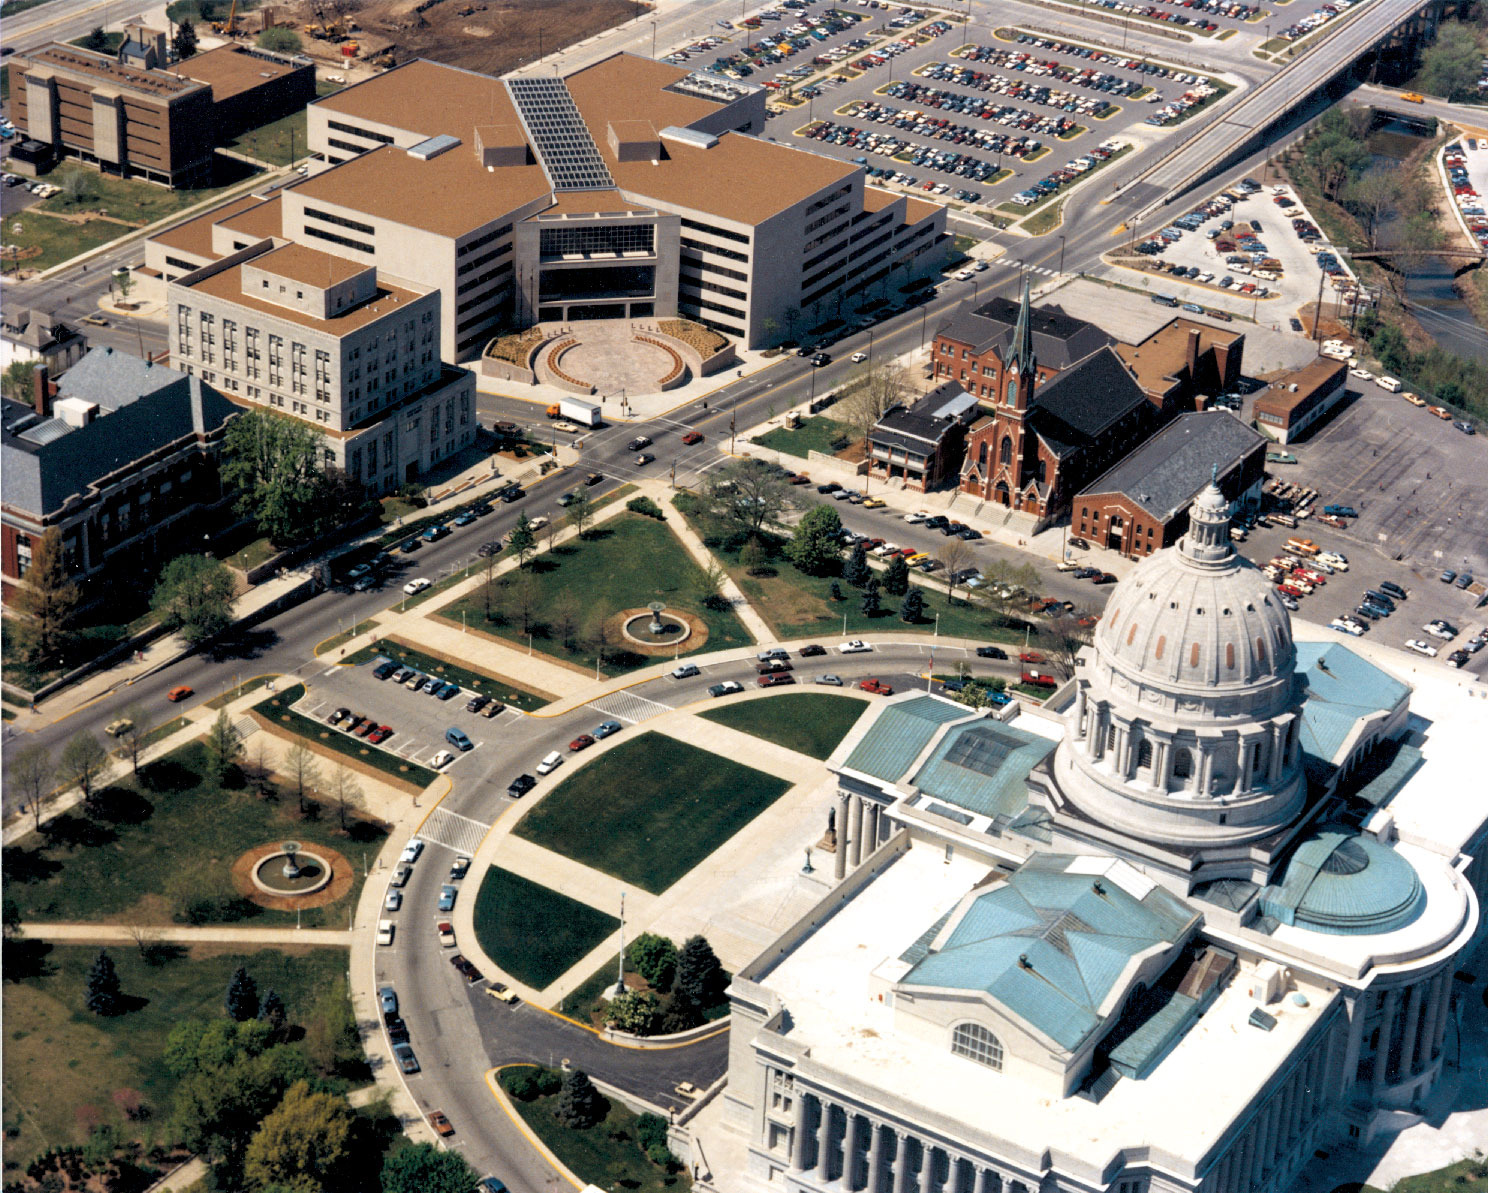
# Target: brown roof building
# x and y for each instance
(1295, 402)
(631, 189)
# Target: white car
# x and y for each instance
(1440, 630)
(411, 852)
(441, 759)
(858, 357)
(549, 764)
(1361, 374)
(856, 646)
(1066, 565)
(917, 516)
(1335, 561)
(1420, 647)
(686, 671)
(417, 584)
(886, 550)
(393, 901)
(384, 931)
(1345, 627)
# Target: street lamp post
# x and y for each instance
(1061, 256)
(653, 39)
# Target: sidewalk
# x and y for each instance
(753, 622)
(173, 934)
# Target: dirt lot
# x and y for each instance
(491, 36)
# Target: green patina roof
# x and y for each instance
(983, 766)
(1384, 773)
(1048, 946)
(1342, 883)
(1337, 687)
(895, 739)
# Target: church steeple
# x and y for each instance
(1022, 366)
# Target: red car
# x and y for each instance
(582, 742)
(774, 679)
(176, 695)
(692, 437)
(380, 734)
(1039, 679)
(1031, 656)
(1294, 593)
(878, 686)
(366, 729)
(440, 1123)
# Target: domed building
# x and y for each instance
(1188, 922)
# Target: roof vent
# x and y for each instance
(689, 136)
(1259, 1018)
(433, 147)
(1024, 962)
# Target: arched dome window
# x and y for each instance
(975, 1042)
(1182, 763)
(1144, 755)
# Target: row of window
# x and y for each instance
(477, 262)
(355, 131)
(698, 246)
(340, 221)
(485, 238)
(711, 230)
(688, 279)
(335, 238)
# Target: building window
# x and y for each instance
(1144, 755)
(975, 1042)
(1005, 455)
(1182, 763)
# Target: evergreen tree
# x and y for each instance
(855, 570)
(579, 1103)
(523, 540)
(872, 603)
(46, 601)
(682, 1015)
(184, 42)
(913, 606)
(836, 591)
(700, 975)
(896, 579)
(224, 748)
(242, 996)
(272, 1011)
(102, 997)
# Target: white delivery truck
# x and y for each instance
(586, 414)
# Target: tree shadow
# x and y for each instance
(25, 959)
(121, 805)
(161, 953)
(241, 644)
(597, 534)
(168, 776)
(542, 565)
(128, 1004)
(26, 866)
(77, 832)
(366, 831)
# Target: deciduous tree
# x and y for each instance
(634, 1011)
(870, 391)
(815, 545)
(280, 39)
(580, 512)
(300, 764)
(954, 557)
(304, 1144)
(747, 495)
(194, 597)
(83, 761)
(424, 1168)
(224, 747)
(133, 738)
(345, 792)
(523, 540)
(275, 464)
(30, 774)
(47, 599)
(654, 957)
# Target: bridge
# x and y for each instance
(1249, 123)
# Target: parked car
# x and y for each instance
(727, 688)
(606, 728)
(991, 652)
(686, 671)
(405, 1057)
(412, 851)
(460, 868)
(854, 646)
(520, 786)
(832, 681)
(582, 742)
(440, 1123)
(876, 686)
(416, 585)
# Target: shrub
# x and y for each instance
(523, 1085)
(549, 1082)
(644, 505)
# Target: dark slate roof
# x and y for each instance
(45, 463)
(1167, 472)
(1059, 340)
(1082, 402)
(922, 426)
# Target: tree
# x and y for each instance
(83, 761)
(634, 1012)
(331, 1039)
(184, 42)
(855, 570)
(30, 774)
(747, 494)
(425, 1168)
(16, 381)
(242, 996)
(708, 583)
(1449, 67)
(194, 597)
(281, 39)
(272, 1011)
(303, 1144)
(522, 598)
(682, 1015)
(274, 463)
(654, 957)
(700, 975)
(815, 546)
(872, 602)
(523, 540)
(345, 792)
(579, 1104)
(47, 599)
(102, 996)
(896, 579)
(753, 556)
(300, 764)
(954, 557)
(870, 392)
(224, 747)
(1063, 638)
(1370, 196)
(133, 738)
(97, 39)
(124, 280)
(567, 612)
(913, 607)
(836, 591)
(580, 512)
(10, 918)
(792, 320)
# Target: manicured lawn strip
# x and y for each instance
(86, 642)
(497, 686)
(123, 198)
(814, 434)
(64, 1064)
(587, 999)
(533, 932)
(1046, 220)
(620, 494)
(57, 240)
(650, 810)
(1032, 691)
(605, 1155)
(161, 732)
(278, 708)
(260, 550)
(810, 723)
(1465, 1176)
(233, 693)
(169, 839)
(626, 563)
(280, 142)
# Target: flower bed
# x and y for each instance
(704, 339)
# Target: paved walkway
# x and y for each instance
(705, 559)
(175, 934)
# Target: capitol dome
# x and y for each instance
(1184, 729)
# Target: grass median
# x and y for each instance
(810, 723)
(679, 804)
(533, 932)
(279, 709)
(819, 434)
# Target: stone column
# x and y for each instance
(1098, 732)
(824, 1141)
(901, 1162)
(1386, 1038)
(988, 1181)
(852, 1143)
(1278, 742)
(927, 1168)
(870, 811)
(1080, 730)
(1439, 1033)
(875, 1158)
(1358, 1012)
(798, 1139)
(1206, 765)
(839, 859)
(1426, 1041)
(855, 840)
(1118, 755)
(1413, 1007)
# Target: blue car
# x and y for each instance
(447, 898)
(449, 691)
(465, 519)
(606, 728)
(457, 738)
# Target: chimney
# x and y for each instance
(1192, 358)
(40, 389)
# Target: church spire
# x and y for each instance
(1022, 355)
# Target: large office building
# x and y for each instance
(1178, 930)
(630, 189)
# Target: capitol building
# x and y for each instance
(1189, 923)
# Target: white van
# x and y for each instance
(549, 764)
(1388, 383)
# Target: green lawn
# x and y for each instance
(85, 642)
(1046, 220)
(814, 434)
(57, 240)
(166, 843)
(628, 562)
(508, 691)
(533, 932)
(650, 810)
(241, 689)
(1465, 1176)
(260, 550)
(280, 142)
(279, 707)
(605, 1155)
(111, 42)
(121, 198)
(807, 722)
(66, 1069)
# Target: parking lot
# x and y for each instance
(989, 105)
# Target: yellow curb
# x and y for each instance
(537, 1144)
(621, 1043)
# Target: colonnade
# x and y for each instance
(855, 840)
(1412, 1025)
(1268, 1145)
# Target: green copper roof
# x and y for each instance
(895, 740)
(983, 766)
(1343, 883)
(1337, 688)
(1050, 943)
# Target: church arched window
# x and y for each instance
(1005, 453)
(975, 1042)
(1012, 387)
(982, 454)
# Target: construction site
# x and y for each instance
(490, 36)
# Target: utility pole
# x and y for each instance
(620, 967)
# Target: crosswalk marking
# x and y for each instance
(454, 831)
(627, 706)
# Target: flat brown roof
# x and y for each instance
(876, 199)
(1321, 373)
(194, 236)
(588, 203)
(298, 263)
(1157, 358)
(429, 98)
(260, 222)
(232, 70)
(159, 84)
(919, 209)
(228, 286)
